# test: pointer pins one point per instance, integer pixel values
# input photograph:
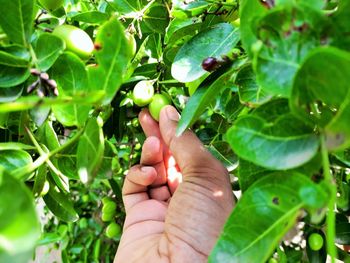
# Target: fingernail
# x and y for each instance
(172, 114)
(146, 169)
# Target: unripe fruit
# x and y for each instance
(131, 42)
(109, 207)
(106, 200)
(143, 93)
(107, 217)
(76, 40)
(113, 229)
(158, 102)
(315, 241)
(51, 5)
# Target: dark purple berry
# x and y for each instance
(210, 64)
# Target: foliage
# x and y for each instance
(273, 108)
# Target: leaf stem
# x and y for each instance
(34, 57)
(330, 220)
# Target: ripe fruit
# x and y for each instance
(51, 5)
(113, 229)
(315, 241)
(156, 105)
(76, 40)
(143, 93)
(210, 64)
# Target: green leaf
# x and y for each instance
(11, 160)
(275, 210)
(215, 41)
(10, 60)
(343, 233)
(71, 77)
(286, 36)
(14, 68)
(90, 150)
(12, 94)
(90, 17)
(30, 102)
(113, 56)
(17, 20)
(110, 163)
(180, 28)
(48, 48)
(60, 205)
(324, 71)
(40, 179)
(203, 96)
(255, 140)
(155, 19)
(15, 146)
(19, 225)
(126, 7)
(249, 173)
(250, 12)
(248, 89)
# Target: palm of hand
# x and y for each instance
(169, 221)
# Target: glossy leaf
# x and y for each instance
(203, 96)
(90, 150)
(19, 225)
(14, 67)
(91, 17)
(48, 48)
(275, 210)
(286, 36)
(71, 77)
(343, 233)
(110, 162)
(249, 90)
(216, 41)
(60, 205)
(11, 160)
(325, 70)
(113, 56)
(17, 20)
(251, 142)
(155, 19)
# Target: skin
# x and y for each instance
(168, 220)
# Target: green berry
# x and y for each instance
(158, 102)
(113, 230)
(109, 207)
(315, 241)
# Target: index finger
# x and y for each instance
(149, 126)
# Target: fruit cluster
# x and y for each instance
(109, 210)
(143, 95)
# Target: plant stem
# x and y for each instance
(67, 144)
(331, 248)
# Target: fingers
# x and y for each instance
(152, 155)
(135, 185)
(187, 149)
(152, 152)
(149, 125)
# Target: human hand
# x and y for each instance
(177, 200)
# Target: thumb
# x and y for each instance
(188, 151)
